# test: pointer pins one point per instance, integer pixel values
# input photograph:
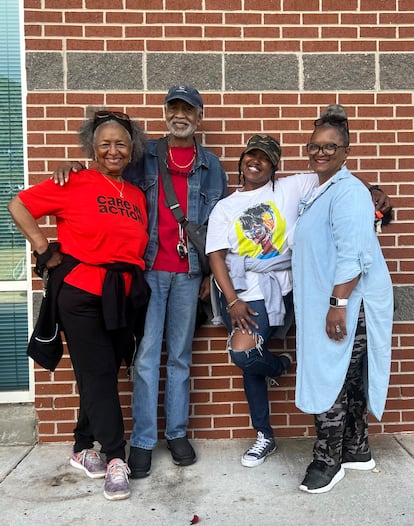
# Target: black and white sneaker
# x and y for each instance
(321, 478)
(257, 454)
(361, 462)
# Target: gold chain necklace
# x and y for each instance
(121, 194)
(179, 165)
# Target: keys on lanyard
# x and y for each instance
(182, 250)
(378, 222)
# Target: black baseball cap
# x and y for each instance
(185, 93)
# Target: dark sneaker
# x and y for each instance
(287, 361)
(361, 462)
(262, 448)
(182, 451)
(116, 480)
(321, 478)
(91, 463)
(139, 462)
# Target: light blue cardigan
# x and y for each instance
(334, 242)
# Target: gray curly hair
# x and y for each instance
(88, 128)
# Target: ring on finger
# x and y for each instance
(338, 329)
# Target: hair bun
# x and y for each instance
(334, 113)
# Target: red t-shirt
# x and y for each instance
(94, 224)
(167, 258)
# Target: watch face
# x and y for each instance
(333, 301)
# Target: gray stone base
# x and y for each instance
(18, 424)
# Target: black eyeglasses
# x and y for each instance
(328, 149)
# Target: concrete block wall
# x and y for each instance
(262, 66)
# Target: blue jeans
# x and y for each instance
(257, 363)
(172, 308)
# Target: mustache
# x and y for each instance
(181, 121)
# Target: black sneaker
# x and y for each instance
(182, 451)
(139, 462)
(287, 361)
(321, 478)
(361, 462)
(262, 448)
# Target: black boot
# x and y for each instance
(139, 462)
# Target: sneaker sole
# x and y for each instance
(360, 466)
(98, 475)
(337, 478)
(117, 496)
(254, 463)
(184, 461)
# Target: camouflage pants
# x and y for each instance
(344, 427)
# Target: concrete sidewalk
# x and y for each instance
(38, 487)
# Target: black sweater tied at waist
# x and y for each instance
(45, 345)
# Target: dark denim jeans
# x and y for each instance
(257, 363)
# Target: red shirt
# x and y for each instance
(167, 258)
(94, 224)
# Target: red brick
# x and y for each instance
(84, 45)
(43, 44)
(56, 415)
(172, 46)
(212, 409)
(42, 16)
(193, 46)
(212, 434)
(69, 4)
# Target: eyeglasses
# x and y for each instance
(104, 115)
(328, 149)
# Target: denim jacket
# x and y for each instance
(207, 184)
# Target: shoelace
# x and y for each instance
(118, 471)
(91, 455)
(260, 444)
(271, 382)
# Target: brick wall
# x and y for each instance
(262, 66)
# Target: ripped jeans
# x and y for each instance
(257, 363)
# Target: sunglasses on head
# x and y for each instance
(117, 114)
(104, 115)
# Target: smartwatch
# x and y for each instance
(337, 302)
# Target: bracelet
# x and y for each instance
(230, 305)
(375, 187)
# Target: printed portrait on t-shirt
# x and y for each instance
(261, 231)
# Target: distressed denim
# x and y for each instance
(256, 363)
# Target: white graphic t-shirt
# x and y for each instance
(257, 223)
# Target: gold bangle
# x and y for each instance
(230, 305)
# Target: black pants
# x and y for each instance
(96, 356)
